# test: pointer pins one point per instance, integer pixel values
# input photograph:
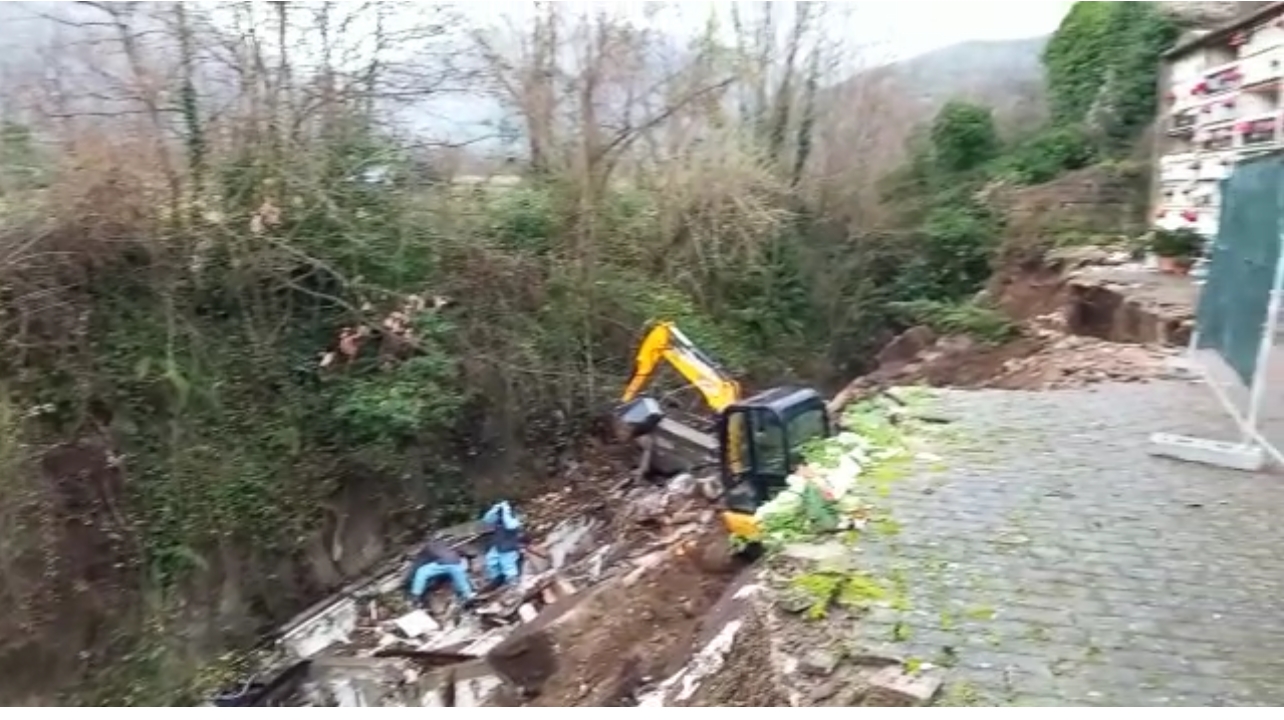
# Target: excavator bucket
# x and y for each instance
(639, 416)
(741, 525)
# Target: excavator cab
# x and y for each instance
(760, 441)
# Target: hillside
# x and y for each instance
(1006, 75)
(872, 114)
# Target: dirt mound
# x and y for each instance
(1046, 358)
(1086, 316)
(742, 681)
(638, 629)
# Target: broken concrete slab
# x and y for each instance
(363, 682)
(472, 684)
(332, 625)
(467, 630)
(894, 687)
(568, 541)
(416, 624)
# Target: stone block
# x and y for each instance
(893, 687)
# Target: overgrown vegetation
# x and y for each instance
(963, 318)
(1101, 66)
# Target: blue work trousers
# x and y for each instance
(503, 565)
(457, 572)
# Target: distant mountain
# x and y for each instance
(873, 114)
(1006, 75)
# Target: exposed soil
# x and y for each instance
(742, 681)
(629, 634)
(749, 677)
(1084, 317)
(1101, 293)
(1129, 305)
(63, 584)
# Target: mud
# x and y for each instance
(742, 682)
(632, 633)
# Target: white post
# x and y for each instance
(1192, 345)
(1265, 347)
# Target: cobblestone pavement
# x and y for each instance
(1050, 561)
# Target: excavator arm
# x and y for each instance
(664, 342)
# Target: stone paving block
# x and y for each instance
(1054, 561)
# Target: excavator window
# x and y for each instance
(809, 424)
(761, 440)
(770, 447)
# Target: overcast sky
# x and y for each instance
(874, 32)
(899, 29)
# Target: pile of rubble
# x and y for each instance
(366, 646)
(1063, 360)
(1045, 357)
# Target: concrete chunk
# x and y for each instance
(1235, 456)
(332, 625)
(893, 687)
(819, 662)
(417, 623)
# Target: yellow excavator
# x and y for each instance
(755, 442)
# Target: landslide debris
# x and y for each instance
(636, 600)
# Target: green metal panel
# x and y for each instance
(1235, 296)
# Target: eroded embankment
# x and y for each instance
(1099, 293)
(1083, 316)
(626, 635)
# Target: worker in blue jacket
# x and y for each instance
(437, 560)
(504, 555)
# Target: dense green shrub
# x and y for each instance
(963, 136)
(1179, 243)
(1101, 67)
(1048, 154)
(959, 318)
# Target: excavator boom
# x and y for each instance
(664, 342)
